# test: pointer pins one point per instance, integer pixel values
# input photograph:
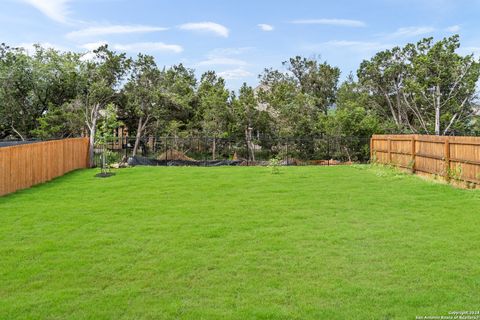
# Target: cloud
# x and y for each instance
(149, 47)
(235, 74)
(56, 10)
(222, 56)
(220, 52)
(332, 22)
(266, 27)
(218, 61)
(364, 46)
(453, 29)
(210, 27)
(411, 32)
(136, 47)
(112, 29)
(470, 50)
(93, 45)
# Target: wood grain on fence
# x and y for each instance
(449, 157)
(23, 166)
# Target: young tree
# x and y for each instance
(104, 134)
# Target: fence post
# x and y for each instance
(166, 150)
(447, 159)
(389, 151)
(414, 153)
(371, 149)
(287, 152)
(328, 150)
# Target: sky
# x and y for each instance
(239, 39)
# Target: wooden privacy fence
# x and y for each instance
(23, 166)
(450, 157)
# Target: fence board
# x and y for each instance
(450, 157)
(22, 166)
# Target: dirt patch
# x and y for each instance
(174, 155)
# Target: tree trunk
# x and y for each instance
(137, 137)
(18, 133)
(91, 146)
(214, 148)
(437, 110)
(248, 138)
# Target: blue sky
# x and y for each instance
(238, 39)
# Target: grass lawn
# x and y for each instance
(239, 243)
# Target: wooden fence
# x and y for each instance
(450, 157)
(23, 166)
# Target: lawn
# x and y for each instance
(354, 242)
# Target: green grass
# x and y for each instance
(239, 243)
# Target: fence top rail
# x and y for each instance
(39, 142)
(425, 137)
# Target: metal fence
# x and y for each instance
(318, 150)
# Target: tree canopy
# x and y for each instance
(424, 87)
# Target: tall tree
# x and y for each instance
(246, 116)
(423, 87)
(213, 107)
(143, 94)
(102, 77)
(33, 85)
(318, 80)
(178, 99)
(443, 82)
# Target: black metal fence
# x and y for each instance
(319, 150)
(9, 143)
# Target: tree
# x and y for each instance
(33, 85)
(318, 80)
(352, 122)
(443, 83)
(424, 86)
(177, 100)
(101, 77)
(143, 94)
(247, 118)
(107, 124)
(213, 107)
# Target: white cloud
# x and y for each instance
(266, 27)
(54, 9)
(453, 29)
(222, 56)
(332, 22)
(211, 27)
(93, 45)
(135, 47)
(113, 29)
(218, 61)
(412, 31)
(148, 47)
(365, 46)
(470, 50)
(235, 74)
(221, 52)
